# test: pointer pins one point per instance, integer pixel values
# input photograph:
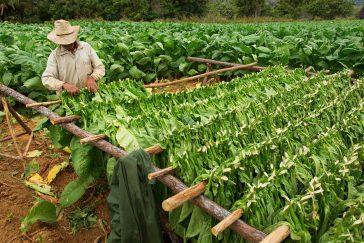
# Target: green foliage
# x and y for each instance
(330, 9)
(81, 219)
(283, 147)
(43, 211)
(31, 168)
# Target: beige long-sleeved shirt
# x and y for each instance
(64, 66)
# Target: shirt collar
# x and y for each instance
(62, 51)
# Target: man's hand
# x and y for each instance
(71, 89)
(91, 85)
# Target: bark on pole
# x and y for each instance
(207, 205)
(225, 64)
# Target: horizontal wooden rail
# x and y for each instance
(277, 235)
(156, 85)
(160, 172)
(182, 197)
(207, 205)
(226, 222)
(92, 138)
(66, 119)
(10, 137)
(225, 64)
(47, 103)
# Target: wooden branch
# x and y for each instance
(200, 75)
(220, 227)
(207, 205)
(19, 120)
(182, 197)
(92, 138)
(225, 64)
(161, 172)
(10, 137)
(10, 126)
(155, 149)
(66, 119)
(43, 103)
(277, 235)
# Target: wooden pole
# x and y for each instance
(277, 235)
(66, 119)
(19, 120)
(161, 172)
(226, 222)
(200, 75)
(47, 103)
(155, 149)
(10, 137)
(182, 197)
(225, 64)
(207, 205)
(92, 138)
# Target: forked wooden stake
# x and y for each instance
(183, 196)
(161, 172)
(277, 235)
(155, 149)
(92, 138)
(66, 119)
(226, 222)
(43, 103)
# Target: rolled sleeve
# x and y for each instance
(50, 76)
(98, 68)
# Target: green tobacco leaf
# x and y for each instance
(82, 159)
(75, 190)
(194, 226)
(110, 168)
(34, 84)
(31, 168)
(126, 139)
(43, 211)
(60, 137)
(116, 68)
(136, 73)
(7, 77)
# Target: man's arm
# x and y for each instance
(98, 69)
(50, 76)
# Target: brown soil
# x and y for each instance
(16, 199)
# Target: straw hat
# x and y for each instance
(63, 33)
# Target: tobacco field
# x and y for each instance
(149, 51)
(286, 148)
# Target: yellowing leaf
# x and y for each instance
(34, 153)
(55, 170)
(67, 150)
(36, 178)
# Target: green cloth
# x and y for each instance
(133, 211)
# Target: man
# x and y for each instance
(73, 64)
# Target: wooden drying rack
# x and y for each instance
(183, 193)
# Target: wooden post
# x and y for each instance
(205, 79)
(200, 75)
(161, 172)
(66, 119)
(182, 197)
(47, 103)
(155, 149)
(226, 222)
(10, 137)
(92, 138)
(277, 235)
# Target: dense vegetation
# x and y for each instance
(149, 51)
(43, 10)
(285, 148)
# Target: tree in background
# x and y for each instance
(330, 9)
(5, 5)
(250, 8)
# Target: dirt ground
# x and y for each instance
(16, 199)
